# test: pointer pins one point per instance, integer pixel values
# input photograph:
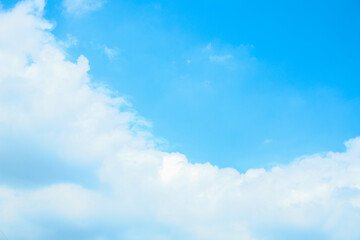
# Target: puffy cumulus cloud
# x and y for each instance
(140, 191)
(78, 7)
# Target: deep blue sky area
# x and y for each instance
(236, 83)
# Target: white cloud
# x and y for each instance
(111, 53)
(78, 7)
(214, 56)
(51, 101)
(208, 47)
(69, 41)
(220, 58)
(267, 141)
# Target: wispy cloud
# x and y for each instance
(78, 7)
(220, 58)
(70, 41)
(267, 141)
(111, 53)
(208, 47)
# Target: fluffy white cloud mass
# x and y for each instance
(80, 164)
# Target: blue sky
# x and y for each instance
(179, 119)
(291, 81)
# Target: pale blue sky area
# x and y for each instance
(237, 83)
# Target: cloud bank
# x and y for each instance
(112, 180)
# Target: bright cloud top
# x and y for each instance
(140, 191)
